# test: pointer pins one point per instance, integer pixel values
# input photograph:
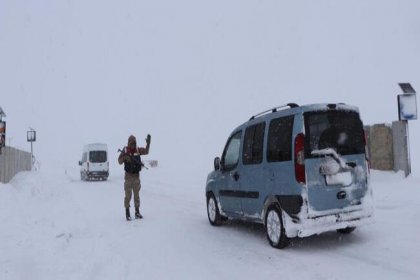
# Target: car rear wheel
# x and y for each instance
(346, 230)
(213, 211)
(276, 234)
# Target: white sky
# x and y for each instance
(190, 71)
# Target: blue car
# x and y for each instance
(299, 170)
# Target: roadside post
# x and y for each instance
(31, 137)
(407, 111)
(2, 130)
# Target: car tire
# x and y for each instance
(346, 230)
(213, 212)
(274, 228)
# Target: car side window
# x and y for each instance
(279, 144)
(230, 156)
(253, 144)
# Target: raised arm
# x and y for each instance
(145, 151)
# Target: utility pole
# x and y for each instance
(31, 137)
(407, 111)
(2, 130)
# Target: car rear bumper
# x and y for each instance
(311, 226)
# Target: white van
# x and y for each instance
(94, 163)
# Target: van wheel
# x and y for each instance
(276, 234)
(82, 177)
(213, 211)
(346, 230)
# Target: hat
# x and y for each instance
(132, 138)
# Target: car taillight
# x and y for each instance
(300, 158)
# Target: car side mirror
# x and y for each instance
(80, 163)
(217, 163)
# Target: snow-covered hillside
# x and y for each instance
(53, 226)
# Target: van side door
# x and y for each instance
(281, 178)
(228, 182)
(252, 171)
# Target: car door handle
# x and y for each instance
(235, 176)
(272, 176)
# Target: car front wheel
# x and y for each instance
(213, 211)
(274, 228)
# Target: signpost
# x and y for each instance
(31, 137)
(407, 111)
(407, 103)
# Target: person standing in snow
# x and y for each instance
(130, 156)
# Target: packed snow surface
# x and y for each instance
(54, 226)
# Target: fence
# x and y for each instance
(13, 161)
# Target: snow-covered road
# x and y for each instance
(53, 226)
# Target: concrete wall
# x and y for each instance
(388, 146)
(13, 161)
(380, 145)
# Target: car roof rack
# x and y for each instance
(275, 109)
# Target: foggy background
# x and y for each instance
(188, 71)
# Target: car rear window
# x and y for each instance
(339, 130)
(97, 156)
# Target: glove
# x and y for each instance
(148, 139)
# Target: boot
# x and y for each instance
(127, 214)
(138, 215)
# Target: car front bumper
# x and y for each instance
(98, 174)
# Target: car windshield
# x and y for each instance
(97, 156)
(339, 130)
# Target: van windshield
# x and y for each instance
(339, 130)
(97, 156)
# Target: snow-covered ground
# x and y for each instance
(53, 226)
(188, 72)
